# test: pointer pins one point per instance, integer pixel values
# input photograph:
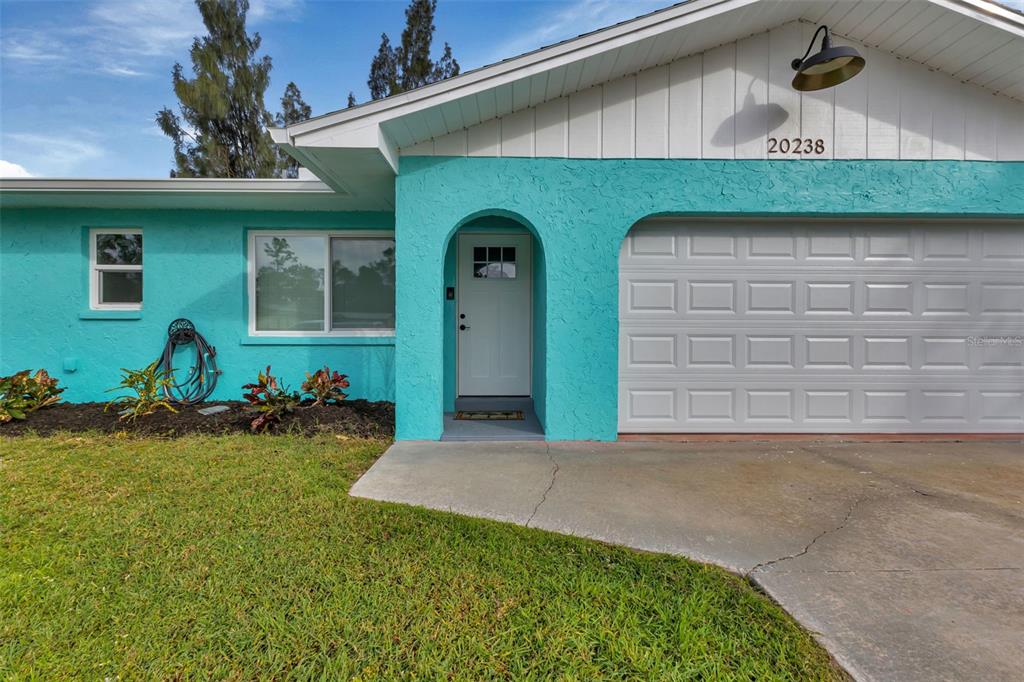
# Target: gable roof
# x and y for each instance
(354, 150)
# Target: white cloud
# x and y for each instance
(266, 10)
(13, 170)
(144, 29)
(115, 70)
(28, 47)
(54, 155)
(122, 37)
(569, 21)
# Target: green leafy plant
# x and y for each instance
(324, 385)
(42, 390)
(148, 386)
(269, 400)
(23, 393)
(13, 403)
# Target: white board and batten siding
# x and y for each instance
(727, 102)
(840, 326)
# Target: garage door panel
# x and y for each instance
(874, 243)
(914, 296)
(830, 406)
(818, 327)
(890, 351)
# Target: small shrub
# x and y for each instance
(269, 400)
(13, 403)
(148, 385)
(325, 386)
(23, 393)
(42, 390)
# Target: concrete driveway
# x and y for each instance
(906, 560)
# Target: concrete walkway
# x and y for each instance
(906, 560)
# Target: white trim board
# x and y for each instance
(163, 185)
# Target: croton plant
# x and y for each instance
(269, 400)
(23, 393)
(324, 385)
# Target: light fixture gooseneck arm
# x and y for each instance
(797, 62)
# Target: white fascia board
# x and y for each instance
(303, 148)
(989, 13)
(191, 185)
(307, 159)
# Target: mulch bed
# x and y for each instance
(356, 418)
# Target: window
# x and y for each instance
(327, 283)
(494, 262)
(115, 269)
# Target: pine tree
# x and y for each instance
(446, 66)
(394, 70)
(222, 129)
(383, 80)
(293, 107)
(293, 110)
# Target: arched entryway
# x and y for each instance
(494, 324)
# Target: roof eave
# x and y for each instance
(172, 185)
(182, 193)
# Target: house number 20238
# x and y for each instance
(795, 145)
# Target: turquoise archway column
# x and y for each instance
(582, 331)
(419, 328)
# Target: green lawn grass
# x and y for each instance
(243, 557)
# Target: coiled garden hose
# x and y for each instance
(202, 376)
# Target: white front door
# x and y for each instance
(493, 319)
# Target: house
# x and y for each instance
(644, 229)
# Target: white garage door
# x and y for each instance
(789, 326)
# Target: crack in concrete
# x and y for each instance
(834, 571)
(846, 519)
(551, 484)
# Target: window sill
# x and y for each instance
(110, 315)
(317, 340)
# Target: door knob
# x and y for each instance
(463, 327)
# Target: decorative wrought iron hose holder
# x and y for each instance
(202, 375)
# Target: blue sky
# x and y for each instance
(80, 81)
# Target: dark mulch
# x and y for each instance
(358, 418)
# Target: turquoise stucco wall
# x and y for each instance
(540, 326)
(450, 311)
(194, 267)
(581, 210)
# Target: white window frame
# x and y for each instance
(327, 236)
(96, 268)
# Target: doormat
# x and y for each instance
(489, 415)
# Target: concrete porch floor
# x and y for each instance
(906, 560)
(527, 428)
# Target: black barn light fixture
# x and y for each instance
(828, 67)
